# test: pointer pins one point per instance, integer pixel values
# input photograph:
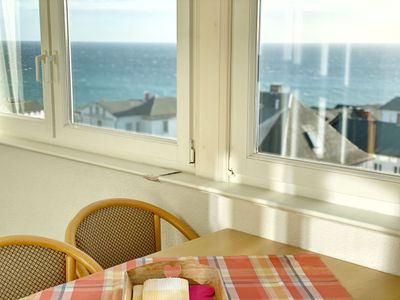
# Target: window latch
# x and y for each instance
(49, 60)
(39, 59)
(192, 153)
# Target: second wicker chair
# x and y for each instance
(114, 231)
(29, 264)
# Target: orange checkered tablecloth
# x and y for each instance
(302, 276)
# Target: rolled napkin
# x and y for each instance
(201, 292)
(166, 289)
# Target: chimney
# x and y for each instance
(148, 96)
(275, 88)
(371, 132)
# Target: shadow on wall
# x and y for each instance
(257, 219)
(350, 243)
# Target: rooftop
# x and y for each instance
(393, 104)
(294, 130)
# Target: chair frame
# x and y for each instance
(159, 214)
(73, 254)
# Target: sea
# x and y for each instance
(338, 74)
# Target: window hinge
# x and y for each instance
(192, 153)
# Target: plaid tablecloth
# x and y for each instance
(301, 276)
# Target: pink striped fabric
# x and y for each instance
(301, 276)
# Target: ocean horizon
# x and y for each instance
(336, 74)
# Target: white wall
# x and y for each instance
(386, 163)
(39, 194)
(389, 116)
(107, 120)
(123, 121)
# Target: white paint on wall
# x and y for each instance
(389, 116)
(39, 194)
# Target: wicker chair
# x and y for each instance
(29, 264)
(114, 231)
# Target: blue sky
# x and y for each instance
(123, 20)
(110, 20)
(331, 21)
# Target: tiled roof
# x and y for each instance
(152, 108)
(393, 104)
(159, 107)
(119, 106)
(293, 131)
(163, 107)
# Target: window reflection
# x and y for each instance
(326, 96)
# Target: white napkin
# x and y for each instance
(165, 289)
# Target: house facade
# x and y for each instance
(151, 115)
(390, 112)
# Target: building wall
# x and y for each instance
(383, 163)
(156, 127)
(172, 127)
(89, 116)
(39, 194)
(389, 116)
(123, 122)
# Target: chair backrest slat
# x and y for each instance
(157, 232)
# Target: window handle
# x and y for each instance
(38, 63)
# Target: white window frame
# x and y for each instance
(131, 146)
(29, 127)
(342, 185)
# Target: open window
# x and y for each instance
(103, 76)
(25, 78)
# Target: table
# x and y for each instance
(360, 282)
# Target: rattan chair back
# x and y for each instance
(114, 231)
(29, 264)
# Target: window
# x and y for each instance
(313, 97)
(129, 68)
(25, 90)
(20, 85)
(136, 70)
(100, 65)
(333, 88)
(116, 91)
(165, 126)
(128, 127)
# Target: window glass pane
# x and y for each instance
(329, 81)
(124, 64)
(20, 93)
